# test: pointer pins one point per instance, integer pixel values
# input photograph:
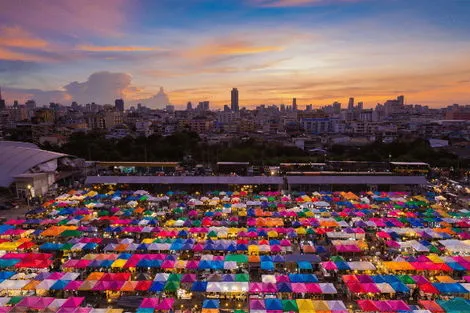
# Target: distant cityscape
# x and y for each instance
(306, 127)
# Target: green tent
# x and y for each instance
(172, 286)
(212, 234)
(289, 305)
(242, 277)
(103, 213)
(14, 300)
(406, 279)
(174, 277)
(197, 223)
(335, 258)
(456, 305)
(67, 246)
(71, 233)
(239, 258)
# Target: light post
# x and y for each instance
(28, 193)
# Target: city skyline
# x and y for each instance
(317, 51)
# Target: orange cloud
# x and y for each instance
(92, 48)
(229, 48)
(294, 3)
(16, 37)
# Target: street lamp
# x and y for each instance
(28, 195)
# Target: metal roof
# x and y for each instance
(356, 180)
(187, 180)
(18, 158)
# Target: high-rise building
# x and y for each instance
(234, 100)
(401, 100)
(360, 105)
(2, 102)
(351, 103)
(119, 105)
(189, 106)
(336, 107)
(294, 104)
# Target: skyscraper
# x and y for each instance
(2, 102)
(234, 100)
(351, 103)
(401, 100)
(189, 106)
(294, 104)
(119, 105)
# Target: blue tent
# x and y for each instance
(399, 287)
(157, 286)
(284, 287)
(273, 304)
(199, 286)
(268, 266)
(450, 288)
(304, 265)
(60, 284)
(211, 304)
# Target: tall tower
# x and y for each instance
(2, 102)
(351, 104)
(401, 100)
(234, 100)
(119, 105)
(294, 104)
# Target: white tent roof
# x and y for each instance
(17, 158)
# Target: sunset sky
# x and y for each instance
(319, 51)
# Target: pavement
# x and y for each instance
(15, 213)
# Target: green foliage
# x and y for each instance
(94, 146)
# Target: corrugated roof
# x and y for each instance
(356, 180)
(187, 180)
(16, 159)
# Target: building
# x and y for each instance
(33, 170)
(119, 105)
(294, 104)
(2, 102)
(200, 124)
(203, 106)
(234, 100)
(350, 104)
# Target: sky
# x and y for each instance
(318, 51)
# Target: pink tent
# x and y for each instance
(188, 278)
(329, 266)
(255, 287)
(313, 288)
(165, 304)
(5, 309)
(383, 306)
(268, 287)
(73, 302)
(257, 305)
(299, 287)
(282, 279)
(398, 305)
(39, 303)
(192, 264)
(368, 287)
(367, 305)
(73, 285)
(149, 303)
(168, 264)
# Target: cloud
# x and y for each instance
(294, 3)
(93, 48)
(7, 66)
(100, 87)
(68, 17)
(228, 47)
(17, 37)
